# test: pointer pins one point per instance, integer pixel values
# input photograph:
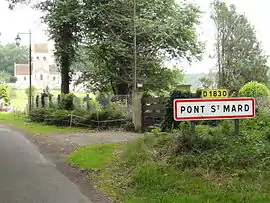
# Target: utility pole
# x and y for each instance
(134, 46)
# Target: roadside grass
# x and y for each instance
(227, 169)
(35, 128)
(94, 156)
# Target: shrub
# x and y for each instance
(211, 149)
(103, 99)
(113, 116)
(4, 94)
(67, 101)
(254, 89)
(169, 122)
(50, 116)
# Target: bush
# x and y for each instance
(114, 115)
(254, 89)
(67, 101)
(212, 148)
(103, 99)
(4, 94)
(51, 116)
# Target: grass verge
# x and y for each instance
(35, 128)
(212, 167)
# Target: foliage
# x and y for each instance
(4, 93)
(67, 101)
(169, 122)
(62, 18)
(33, 91)
(211, 167)
(104, 30)
(254, 89)
(258, 127)
(103, 99)
(114, 115)
(7, 78)
(11, 92)
(239, 53)
(209, 80)
(10, 54)
(109, 29)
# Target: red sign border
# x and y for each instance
(212, 117)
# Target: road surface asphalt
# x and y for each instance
(26, 176)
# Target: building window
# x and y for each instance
(24, 78)
(54, 78)
(44, 58)
(41, 77)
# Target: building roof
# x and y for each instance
(21, 69)
(53, 69)
(41, 48)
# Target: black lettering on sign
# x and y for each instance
(202, 107)
(240, 108)
(233, 108)
(192, 109)
(246, 107)
(204, 94)
(213, 108)
(226, 108)
(182, 109)
(196, 109)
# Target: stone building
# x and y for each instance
(44, 70)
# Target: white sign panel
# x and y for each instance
(213, 109)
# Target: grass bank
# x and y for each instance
(212, 167)
(35, 128)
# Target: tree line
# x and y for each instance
(97, 38)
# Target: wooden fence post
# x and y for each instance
(137, 110)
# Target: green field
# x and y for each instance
(19, 98)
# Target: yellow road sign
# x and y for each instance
(221, 93)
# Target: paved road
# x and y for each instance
(27, 177)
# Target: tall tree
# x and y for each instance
(240, 57)
(164, 30)
(62, 18)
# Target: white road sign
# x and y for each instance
(213, 109)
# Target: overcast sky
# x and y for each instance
(23, 19)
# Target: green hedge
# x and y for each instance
(112, 116)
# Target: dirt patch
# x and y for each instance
(97, 137)
(57, 151)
